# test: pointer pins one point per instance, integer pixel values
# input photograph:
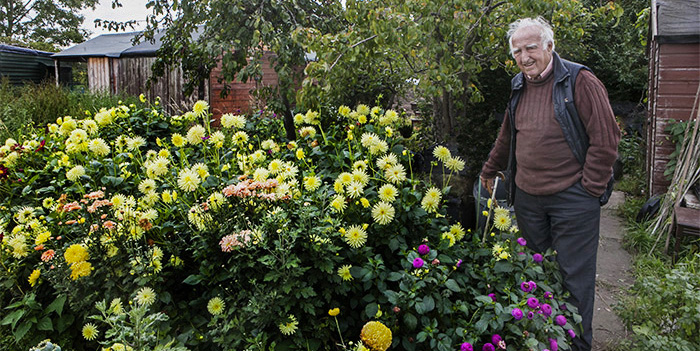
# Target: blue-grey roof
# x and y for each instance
(20, 50)
(105, 45)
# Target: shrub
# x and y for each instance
(240, 239)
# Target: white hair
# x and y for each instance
(546, 32)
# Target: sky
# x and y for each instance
(130, 10)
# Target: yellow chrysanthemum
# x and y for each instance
(216, 306)
(355, 189)
(147, 185)
(178, 140)
(343, 110)
(200, 107)
(233, 121)
(90, 331)
(99, 147)
(362, 109)
(442, 153)
(276, 166)
(388, 193)
(376, 336)
(312, 183)
(80, 269)
(431, 200)
(74, 173)
(502, 220)
(345, 178)
(146, 296)
(195, 134)
(290, 326)
(76, 253)
(383, 213)
(334, 312)
(338, 203)
(34, 277)
(355, 236)
(457, 231)
(455, 164)
(344, 272)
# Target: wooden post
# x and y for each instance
(57, 70)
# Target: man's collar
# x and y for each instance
(546, 71)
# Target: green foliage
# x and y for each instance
(676, 134)
(632, 153)
(665, 315)
(54, 23)
(241, 239)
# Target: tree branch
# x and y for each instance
(351, 47)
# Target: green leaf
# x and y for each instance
(45, 324)
(452, 285)
(371, 310)
(503, 267)
(394, 276)
(22, 330)
(428, 304)
(193, 279)
(57, 305)
(411, 321)
(12, 318)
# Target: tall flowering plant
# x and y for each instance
(242, 239)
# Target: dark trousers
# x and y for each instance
(568, 222)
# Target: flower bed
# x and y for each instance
(129, 228)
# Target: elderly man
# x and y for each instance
(557, 171)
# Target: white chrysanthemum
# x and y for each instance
(202, 170)
(360, 165)
(90, 126)
(355, 236)
(369, 139)
(195, 134)
(99, 147)
(103, 117)
(133, 144)
(345, 178)
(268, 144)
(74, 173)
(240, 138)
(289, 170)
(188, 180)
(455, 164)
(159, 166)
(354, 189)
(217, 139)
(388, 193)
(431, 200)
(383, 213)
(216, 201)
(146, 296)
(151, 214)
(362, 109)
(257, 157)
(379, 148)
(387, 161)
(200, 107)
(307, 132)
(147, 185)
(233, 121)
(395, 174)
(261, 174)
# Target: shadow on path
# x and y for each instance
(613, 277)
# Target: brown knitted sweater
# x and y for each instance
(545, 162)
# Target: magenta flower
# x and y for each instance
(553, 345)
(572, 333)
(525, 286)
(517, 314)
(466, 347)
(533, 285)
(537, 258)
(530, 315)
(418, 262)
(488, 347)
(560, 320)
(548, 295)
(423, 249)
(533, 303)
(493, 297)
(546, 309)
(522, 241)
(495, 338)
(459, 263)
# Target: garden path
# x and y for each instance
(613, 277)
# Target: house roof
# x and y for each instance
(677, 21)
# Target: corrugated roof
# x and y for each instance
(105, 45)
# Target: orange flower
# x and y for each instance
(47, 255)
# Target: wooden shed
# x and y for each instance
(21, 65)
(674, 78)
(116, 65)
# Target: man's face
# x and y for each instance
(527, 50)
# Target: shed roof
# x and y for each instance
(105, 45)
(24, 51)
(678, 21)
